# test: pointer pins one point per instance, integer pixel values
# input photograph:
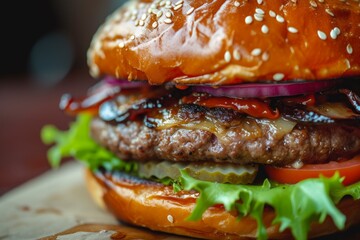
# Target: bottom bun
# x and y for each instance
(155, 206)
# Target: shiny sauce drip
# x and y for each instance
(252, 107)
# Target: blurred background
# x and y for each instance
(43, 55)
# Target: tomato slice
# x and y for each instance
(349, 169)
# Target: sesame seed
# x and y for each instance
(137, 23)
(349, 49)
(265, 56)
(321, 35)
(264, 29)
(337, 30)
(313, 4)
(347, 62)
(149, 10)
(143, 17)
(132, 37)
(259, 11)
(259, 2)
(236, 55)
(168, 14)
(321, 1)
(154, 11)
(162, 3)
(292, 30)
(333, 34)
(227, 56)
(248, 20)
(190, 11)
(155, 24)
(179, 2)
(167, 20)
(281, 7)
(280, 19)
(141, 23)
(272, 13)
(328, 11)
(256, 52)
(258, 17)
(177, 7)
(121, 45)
(159, 14)
(236, 4)
(170, 218)
(278, 76)
(168, 3)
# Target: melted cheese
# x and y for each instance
(248, 128)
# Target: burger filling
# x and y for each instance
(220, 145)
(189, 132)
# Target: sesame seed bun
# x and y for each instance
(157, 207)
(228, 42)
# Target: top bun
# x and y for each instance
(222, 42)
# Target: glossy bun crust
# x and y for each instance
(157, 207)
(228, 41)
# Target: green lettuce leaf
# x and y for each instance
(77, 143)
(296, 206)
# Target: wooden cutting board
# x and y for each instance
(57, 202)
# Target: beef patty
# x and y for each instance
(241, 140)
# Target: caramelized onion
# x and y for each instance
(336, 111)
(111, 113)
(264, 90)
(125, 84)
(89, 104)
(330, 107)
(353, 98)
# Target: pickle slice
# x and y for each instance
(213, 172)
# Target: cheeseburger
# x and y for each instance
(223, 119)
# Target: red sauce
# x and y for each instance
(253, 107)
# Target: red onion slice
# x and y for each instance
(125, 84)
(263, 90)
